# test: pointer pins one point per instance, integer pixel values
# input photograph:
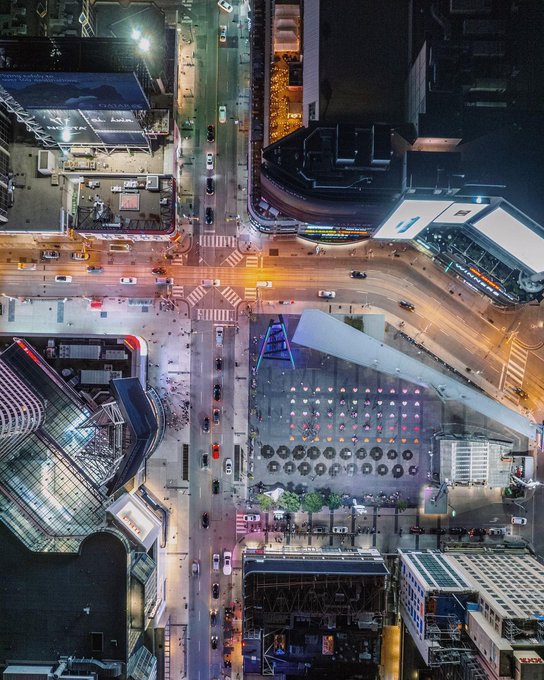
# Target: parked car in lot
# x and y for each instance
(215, 591)
(252, 518)
(519, 520)
(228, 466)
(215, 487)
(327, 294)
(227, 562)
(215, 451)
(205, 520)
(417, 530)
(357, 274)
(407, 305)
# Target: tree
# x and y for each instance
(334, 501)
(265, 502)
(312, 502)
(402, 506)
(289, 501)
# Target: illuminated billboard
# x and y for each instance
(514, 237)
(459, 213)
(112, 128)
(83, 91)
(410, 218)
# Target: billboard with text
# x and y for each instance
(112, 128)
(410, 218)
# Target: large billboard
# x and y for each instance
(112, 128)
(83, 91)
(410, 218)
(459, 213)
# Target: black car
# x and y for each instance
(210, 134)
(438, 531)
(457, 531)
(216, 415)
(215, 487)
(214, 641)
(205, 520)
(213, 617)
(217, 392)
(215, 591)
(417, 530)
(206, 425)
(407, 305)
(219, 363)
(209, 216)
(477, 531)
(210, 186)
(358, 275)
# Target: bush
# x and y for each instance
(334, 501)
(313, 502)
(265, 502)
(289, 502)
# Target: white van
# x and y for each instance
(264, 284)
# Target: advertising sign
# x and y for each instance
(459, 213)
(410, 218)
(83, 91)
(112, 128)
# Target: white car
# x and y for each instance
(519, 520)
(328, 294)
(79, 255)
(252, 518)
(222, 114)
(128, 280)
(215, 561)
(50, 255)
(209, 161)
(227, 563)
(222, 34)
(224, 5)
(61, 278)
(228, 466)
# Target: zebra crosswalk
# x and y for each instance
(515, 370)
(252, 261)
(196, 295)
(233, 259)
(224, 315)
(231, 296)
(216, 241)
(177, 291)
(250, 294)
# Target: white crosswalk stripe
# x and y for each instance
(515, 370)
(217, 241)
(224, 315)
(177, 291)
(250, 294)
(231, 296)
(196, 295)
(252, 261)
(233, 259)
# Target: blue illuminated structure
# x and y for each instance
(275, 344)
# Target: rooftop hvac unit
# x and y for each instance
(46, 163)
(81, 151)
(152, 183)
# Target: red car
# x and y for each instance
(215, 451)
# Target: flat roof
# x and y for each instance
(513, 236)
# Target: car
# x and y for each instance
(217, 392)
(206, 425)
(218, 363)
(225, 6)
(50, 255)
(128, 280)
(205, 520)
(357, 275)
(417, 530)
(213, 641)
(286, 302)
(208, 216)
(457, 531)
(213, 617)
(228, 466)
(209, 161)
(437, 530)
(195, 569)
(252, 518)
(216, 560)
(222, 34)
(204, 461)
(93, 269)
(519, 520)
(210, 134)
(159, 271)
(497, 531)
(215, 487)
(407, 305)
(26, 265)
(340, 530)
(522, 394)
(62, 278)
(477, 531)
(79, 255)
(328, 294)
(215, 451)
(216, 416)
(215, 591)
(210, 186)
(227, 562)
(222, 114)
(319, 530)
(219, 336)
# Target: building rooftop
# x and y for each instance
(435, 571)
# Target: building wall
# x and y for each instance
(495, 651)
(310, 66)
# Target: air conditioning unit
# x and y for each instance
(46, 163)
(152, 183)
